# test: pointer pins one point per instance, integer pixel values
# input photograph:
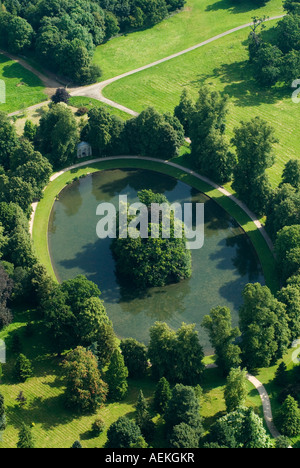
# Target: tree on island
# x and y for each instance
(152, 261)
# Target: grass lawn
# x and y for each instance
(223, 66)
(23, 88)
(200, 20)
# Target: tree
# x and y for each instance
(15, 189)
(77, 444)
(153, 134)
(222, 335)
(162, 396)
(124, 433)
(23, 368)
(291, 173)
(61, 95)
(184, 111)
(288, 418)
(57, 135)
(85, 390)
(30, 130)
(116, 377)
(135, 357)
(183, 408)
(283, 209)
(236, 389)
(254, 148)
(267, 64)
(286, 249)
(290, 296)
(209, 148)
(26, 440)
(143, 418)
(264, 327)
(177, 356)
(153, 261)
(8, 140)
(184, 436)
(240, 429)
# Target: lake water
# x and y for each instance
(221, 269)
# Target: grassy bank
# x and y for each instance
(23, 88)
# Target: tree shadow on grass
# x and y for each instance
(241, 86)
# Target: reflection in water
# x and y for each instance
(221, 269)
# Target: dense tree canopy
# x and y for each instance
(152, 261)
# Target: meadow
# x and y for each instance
(23, 88)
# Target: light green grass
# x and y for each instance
(223, 66)
(40, 228)
(200, 20)
(23, 88)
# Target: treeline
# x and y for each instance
(277, 59)
(63, 35)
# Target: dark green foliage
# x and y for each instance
(30, 130)
(58, 135)
(26, 440)
(61, 95)
(184, 111)
(288, 418)
(236, 391)
(209, 148)
(153, 134)
(240, 429)
(75, 314)
(143, 418)
(23, 368)
(116, 377)
(177, 356)
(85, 390)
(98, 426)
(290, 296)
(254, 142)
(283, 209)
(184, 436)
(183, 408)
(291, 173)
(124, 433)
(76, 444)
(264, 327)
(287, 251)
(162, 396)
(2, 414)
(8, 140)
(281, 375)
(222, 337)
(135, 357)
(153, 261)
(282, 442)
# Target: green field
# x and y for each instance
(223, 66)
(200, 20)
(23, 88)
